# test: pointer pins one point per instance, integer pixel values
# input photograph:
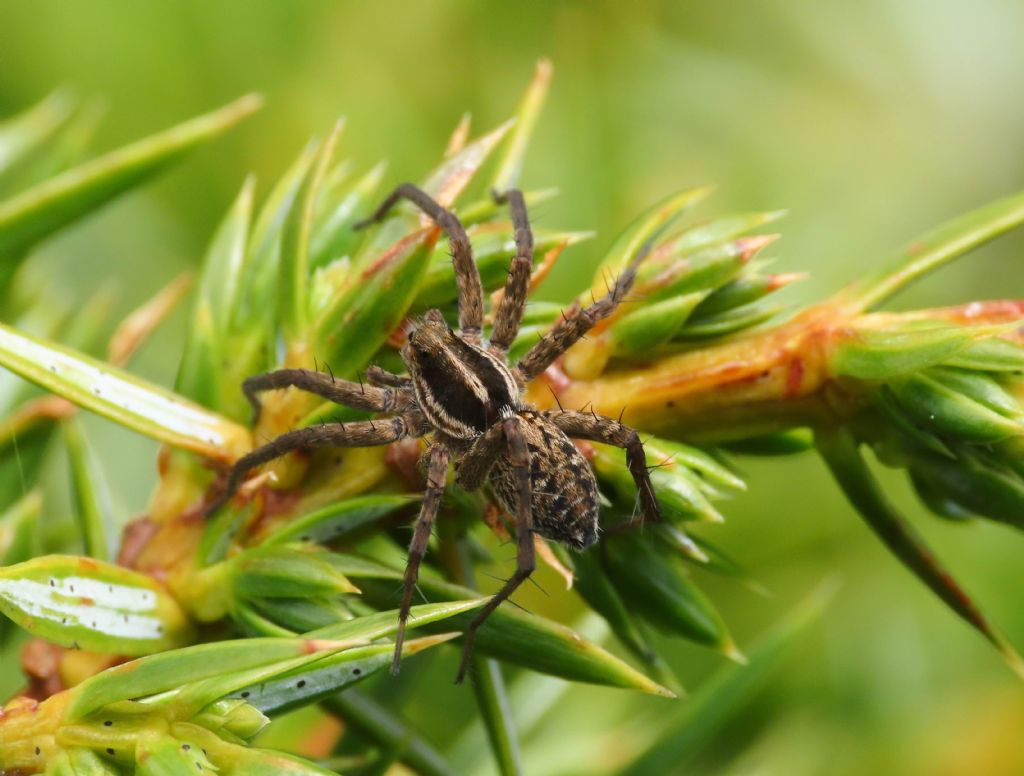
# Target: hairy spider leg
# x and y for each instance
(360, 397)
(519, 457)
(517, 284)
(467, 276)
(382, 378)
(364, 433)
(437, 472)
(568, 331)
(596, 428)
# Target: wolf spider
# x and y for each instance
(463, 393)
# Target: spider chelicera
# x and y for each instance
(468, 400)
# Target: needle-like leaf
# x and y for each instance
(48, 206)
(127, 400)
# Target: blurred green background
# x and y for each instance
(870, 122)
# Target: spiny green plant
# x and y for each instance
(286, 598)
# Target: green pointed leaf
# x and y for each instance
(656, 587)
(645, 230)
(90, 494)
(292, 616)
(903, 423)
(879, 354)
(937, 248)
(448, 180)
(510, 166)
(971, 485)
(595, 587)
(718, 701)
(791, 442)
(333, 235)
(232, 759)
(120, 397)
(264, 762)
(208, 365)
(948, 412)
(283, 572)
(65, 149)
(654, 324)
(519, 638)
(195, 696)
(680, 542)
(341, 519)
(232, 716)
(493, 249)
(742, 291)
(445, 183)
(252, 621)
(83, 603)
(377, 723)
(343, 640)
(258, 309)
(980, 388)
(295, 245)
(379, 624)
(667, 274)
(318, 679)
(665, 453)
(719, 561)
(79, 762)
(487, 208)
(19, 526)
(718, 231)
(162, 755)
(162, 672)
(678, 490)
(48, 206)
(492, 703)
(220, 531)
(24, 137)
(358, 322)
(840, 452)
(990, 355)
(729, 322)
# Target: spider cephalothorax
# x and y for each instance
(463, 395)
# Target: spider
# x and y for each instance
(464, 395)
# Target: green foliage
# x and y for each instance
(287, 598)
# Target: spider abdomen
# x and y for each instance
(564, 501)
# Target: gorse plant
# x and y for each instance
(168, 650)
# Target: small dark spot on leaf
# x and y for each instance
(185, 747)
(110, 751)
(301, 684)
(357, 671)
(246, 694)
(108, 723)
(38, 751)
(53, 583)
